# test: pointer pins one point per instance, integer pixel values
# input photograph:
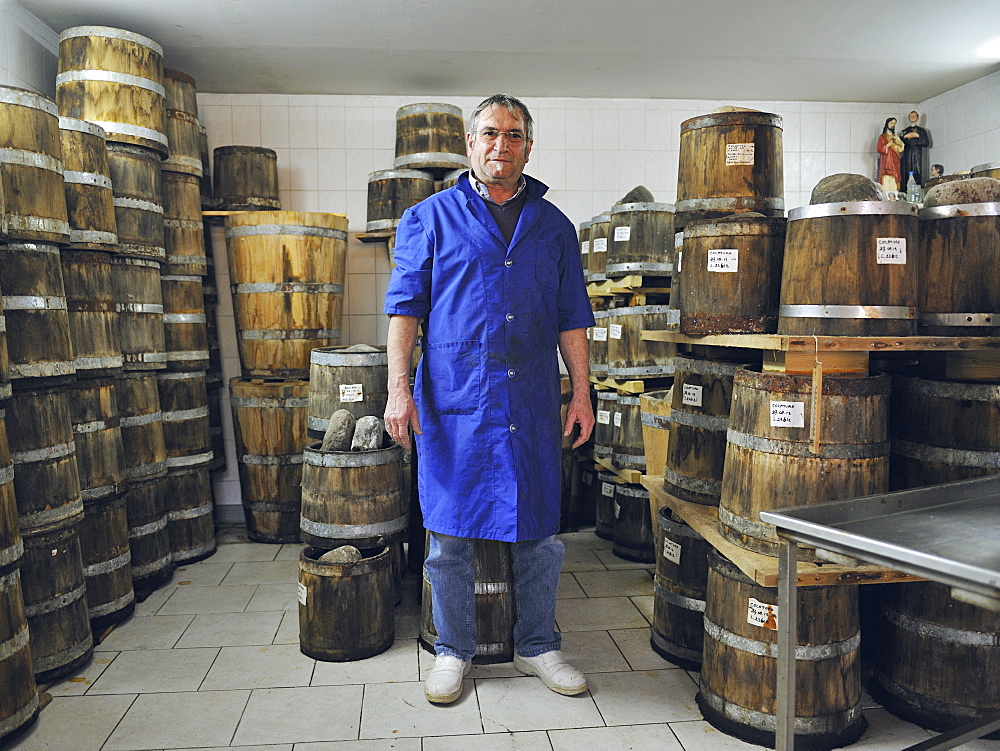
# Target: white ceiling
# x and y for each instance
(833, 50)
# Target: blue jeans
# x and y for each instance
(536, 566)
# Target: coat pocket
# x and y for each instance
(455, 373)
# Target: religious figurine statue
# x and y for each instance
(915, 139)
(889, 147)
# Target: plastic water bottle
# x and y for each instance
(912, 190)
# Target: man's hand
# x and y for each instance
(580, 413)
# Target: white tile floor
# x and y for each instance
(211, 661)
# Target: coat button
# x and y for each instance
(508, 262)
(511, 373)
(513, 428)
(510, 316)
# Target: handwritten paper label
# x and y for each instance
(352, 392)
(679, 239)
(762, 614)
(672, 551)
(615, 331)
(600, 333)
(603, 417)
(673, 317)
(607, 489)
(723, 260)
(691, 395)
(739, 154)
(622, 234)
(302, 593)
(890, 250)
(618, 419)
(788, 414)
(677, 260)
(600, 245)
(585, 247)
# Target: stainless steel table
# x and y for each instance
(947, 533)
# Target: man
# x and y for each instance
(493, 271)
(914, 139)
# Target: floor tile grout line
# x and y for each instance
(130, 705)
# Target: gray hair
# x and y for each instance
(512, 104)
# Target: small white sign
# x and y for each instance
(302, 593)
(600, 245)
(673, 317)
(603, 417)
(788, 414)
(585, 247)
(618, 419)
(679, 239)
(677, 260)
(672, 551)
(622, 234)
(762, 614)
(615, 331)
(352, 392)
(724, 260)
(891, 250)
(600, 333)
(618, 509)
(692, 395)
(739, 154)
(608, 489)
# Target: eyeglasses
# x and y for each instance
(492, 134)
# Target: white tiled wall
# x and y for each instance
(964, 125)
(27, 50)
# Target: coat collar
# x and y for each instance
(529, 214)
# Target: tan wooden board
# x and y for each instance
(630, 387)
(380, 236)
(763, 569)
(821, 344)
(631, 476)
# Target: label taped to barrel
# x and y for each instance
(600, 333)
(608, 489)
(672, 551)
(725, 261)
(618, 419)
(585, 247)
(762, 614)
(352, 392)
(890, 250)
(600, 245)
(603, 417)
(739, 154)
(302, 593)
(678, 256)
(618, 509)
(615, 331)
(691, 395)
(788, 414)
(622, 234)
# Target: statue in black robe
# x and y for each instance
(915, 140)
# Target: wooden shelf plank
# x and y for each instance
(631, 476)
(763, 569)
(380, 236)
(797, 343)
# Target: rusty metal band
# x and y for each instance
(270, 402)
(640, 206)
(95, 363)
(5, 390)
(182, 376)
(106, 567)
(29, 99)
(637, 461)
(299, 230)
(144, 250)
(34, 302)
(55, 603)
(437, 108)
(270, 334)
(853, 208)
(184, 318)
(152, 567)
(458, 161)
(804, 653)
(125, 202)
(149, 357)
(949, 456)
(685, 603)
(262, 460)
(641, 370)
(82, 126)
(675, 649)
(183, 224)
(676, 528)
(607, 396)
(187, 117)
(651, 420)
(975, 392)
(632, 491)
(136, 131)
(871, 450)
(960, 211)
(63, 657)
(308, 288)
(12, 554)
(92, 236)
(175, 259)
(91, 494)
(756, 530)
(960, 319)
(354, 531)
(491, 588)
(185, 555)
(110, 76)
(20, 717)
(42, 370)
(145, 530)
(111, 607)
(707, 367)
(22, 158)
(695, 485)
(693, 419)
(139, 307)
(184, 161)
(628, 401)
(144, 471)
(95, 426)
(41, 519)
(804, 726)
(20, 247)
(639, 267)
(893, 312)
(327, 356)
(56, 451)
(182, 415)
(107, 32)
(941, 633)
(731, 203)
(7, 471)
(141, 262)
(342, 459)
(400, 174)
(87, 178)
(189, 278)
(193, 460)
(134, 421)
(192, 355)
(14, 644)
(190, 513)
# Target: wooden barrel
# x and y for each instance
(699, 418)
(626, 449)
(19, 700)
(598, 336)
(46, 479)
(354, 378)
(187, 495)
(353, 497)
(590, 488)
(139, 303)
(673, 322)
(733, 275)
(604, 427)
(34, 305)
(986, 170)
(641, 240)
(11, 546)
(55, 602)
(430, 136)
(107, 561)
(942, 431)
(629, 356)
(183, 128)
(959, 270)
(213, 385)
(185, 329)
(183, 231)
(31, 168)
(96, 423)
(148, 538)
(584, 235)
(346, 609)
(269, 419)
(93, 313)
(632, 538)
(729, 162)
(850, 269)
(184, 409)
(600, 227)
(495, 609)
(287, 270)
(737, 689)
(207, 197)
(774, 460)
(939, 661)
(678, 629)
(604, 517)
(391, 192)
(90, 206)
(245, 178)
(141, 424)
(113, 78)
(138, 198)
(654, 413)
(450, 179)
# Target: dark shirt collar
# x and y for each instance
(485, 193)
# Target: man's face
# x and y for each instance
(494, 154)
(892, 125)
(913, 118)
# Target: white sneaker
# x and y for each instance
(444, 682)
(554, 671)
